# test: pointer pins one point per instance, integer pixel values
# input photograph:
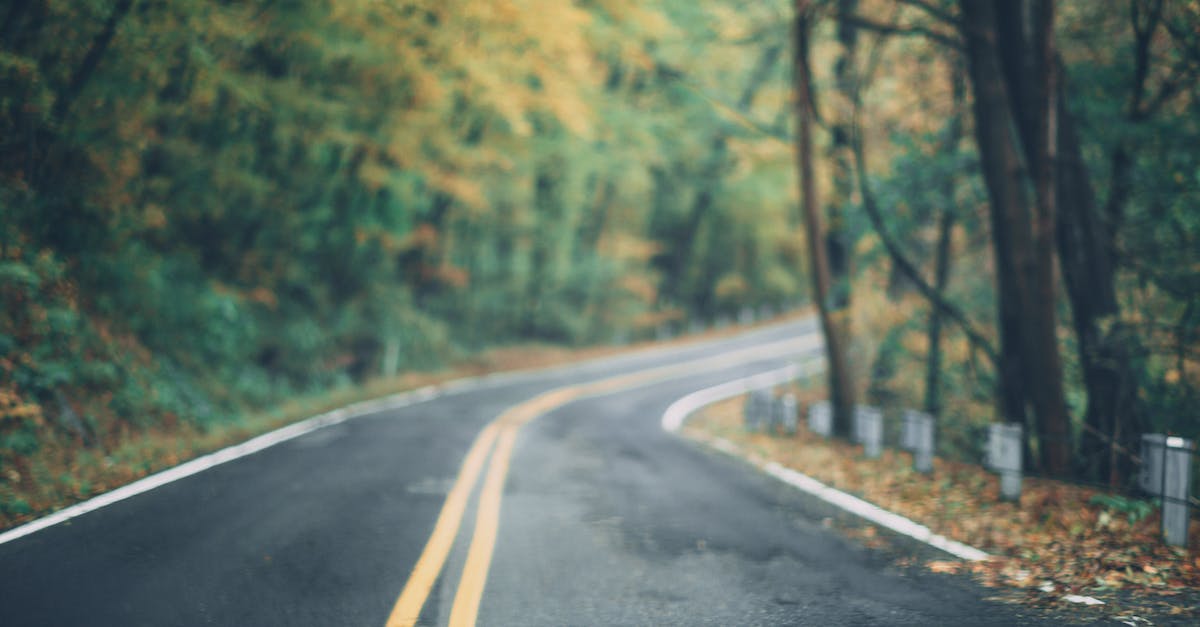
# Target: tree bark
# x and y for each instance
(841, 388)
(1084, 236)
(1002, 169)
(837, 240)
(1087, 257)
(1010, 46)
(839, 248)
(933, 365)
(1049, 400)
(1087, 266)
(941, 271)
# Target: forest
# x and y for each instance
(208, 208)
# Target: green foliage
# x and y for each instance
(16, 275)
(1152, 210)
(245, 202)
(15, 507)
(1134, 509)
(1135, 113)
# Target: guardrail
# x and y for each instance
(1165, 464)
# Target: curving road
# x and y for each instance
(600, 519)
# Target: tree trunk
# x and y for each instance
(941, 272)
(839, 248)
(837, 239)
(1046, 376)
(1087, 255)
(1084, 238)
(1088, 273)
(1017, 131)
(1002, 170)
(933, 372)
(841, 388)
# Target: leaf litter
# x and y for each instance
(1061, 546)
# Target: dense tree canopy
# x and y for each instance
(207, 207)
(1082, 342)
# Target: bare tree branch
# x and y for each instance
(933, 11)
(902, 261)
(911, 30)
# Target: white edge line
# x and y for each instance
(217, 458)
(295, 430)
(680, 410)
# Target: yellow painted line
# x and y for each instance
(465, 609)
(522, 413)
(487, 524)
(429, 565)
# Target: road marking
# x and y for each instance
(872, 512)
(672, 419)
(425, 573)
(468, 596)
(680, 410)
(320, 421)
(487, 525)
(222, 456)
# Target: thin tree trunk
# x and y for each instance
(1086, 259)
(1045, 378)
(941, 272)
(841, 388)
(1005, 178)
(592, 230)
(547, 205)
(839, 248)
(841, 170)
(933, 372)
(906, 267)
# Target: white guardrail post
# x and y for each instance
(757, 410)
(868, 430)
(820, 418)
(1004, 457)
(916, 436)
(1166, 472)
(786, 417)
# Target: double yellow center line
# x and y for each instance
(501, 434)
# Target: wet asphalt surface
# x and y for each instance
(606, 520)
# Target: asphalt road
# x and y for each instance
(605, 520)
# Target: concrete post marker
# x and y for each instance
(1004, 457)
(820, 418)
(787, 418)
(868, 430)
(1166, 472)
(919, 428)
